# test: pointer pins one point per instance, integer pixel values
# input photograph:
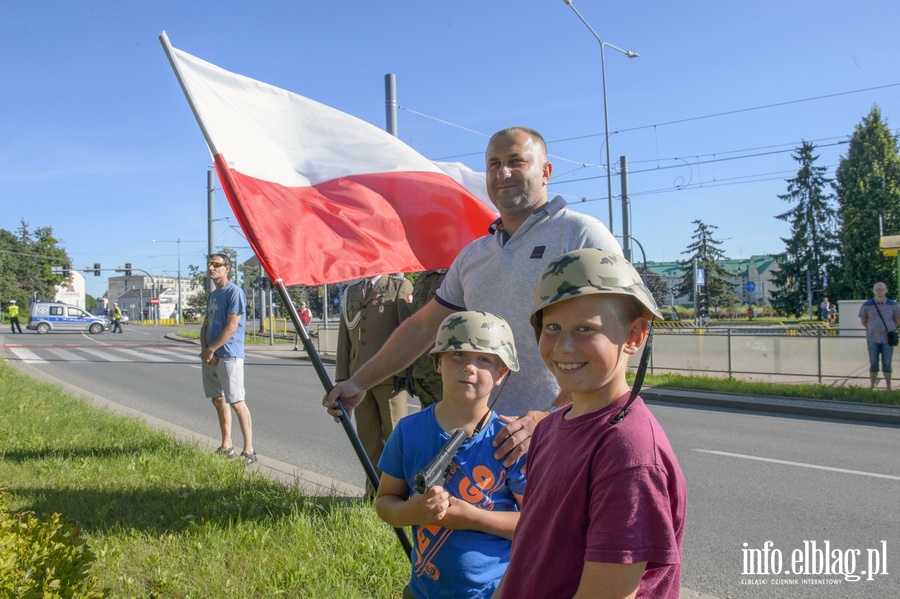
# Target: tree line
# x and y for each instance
(32, 264)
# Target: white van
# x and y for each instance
(56, 316)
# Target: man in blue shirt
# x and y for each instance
(222, 354)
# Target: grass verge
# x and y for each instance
(168, 519)
(805, 391)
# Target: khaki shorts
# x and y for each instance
(225, 379)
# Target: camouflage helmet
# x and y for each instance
(476, 331)
(588, 271)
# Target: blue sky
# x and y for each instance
(97, 140)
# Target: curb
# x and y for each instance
(280, 350)
(872, 413)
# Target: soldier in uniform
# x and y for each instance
(371, 310)
(426, 381)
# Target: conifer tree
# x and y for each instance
(810, 250)
(868, 193)
(705, 252)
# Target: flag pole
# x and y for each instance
(319, 367)
(167, 47)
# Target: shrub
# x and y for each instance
(43, 559)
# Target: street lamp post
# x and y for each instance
(178, 241)
(629, 54)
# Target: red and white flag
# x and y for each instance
(321, 195)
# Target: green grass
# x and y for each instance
(806, 391)
(168, 519)
(249, 337)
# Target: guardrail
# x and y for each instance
(811, 352)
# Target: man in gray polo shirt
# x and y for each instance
(497, 273)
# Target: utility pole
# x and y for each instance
(179, 241)
(210, 233)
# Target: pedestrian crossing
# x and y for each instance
(112, 353)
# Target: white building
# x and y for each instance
(72, 292)
(141, 286)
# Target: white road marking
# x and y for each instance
(798, 464)
(177, 353)
(104, 355)
(143, 356)
(26, 355)
(66, 354)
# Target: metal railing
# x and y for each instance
(811, 353)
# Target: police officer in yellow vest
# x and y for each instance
(370, 311)
(116, 316)
(13, 311)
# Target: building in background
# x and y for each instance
(139, 290)
(72, 292)
(751, 278)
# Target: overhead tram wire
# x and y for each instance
(730, 112)
(651, 126)
(715, 157)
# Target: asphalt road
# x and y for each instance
(795, 482)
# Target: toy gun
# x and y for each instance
(433, 474)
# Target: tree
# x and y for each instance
(26, 262)
(705, 252)
(868, 191)
(810, 251)
(658, 287)
(195, 306)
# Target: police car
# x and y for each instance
(56, 316)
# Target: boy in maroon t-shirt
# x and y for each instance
(604, 507)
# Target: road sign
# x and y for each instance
(751, 286)
(154, 300)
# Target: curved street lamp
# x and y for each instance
(629, 54)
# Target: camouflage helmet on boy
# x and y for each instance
(585, 272)
(479, 332)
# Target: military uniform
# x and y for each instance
(368, 319)
(426, 381)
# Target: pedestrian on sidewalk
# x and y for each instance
(880, 316)
(305, 317)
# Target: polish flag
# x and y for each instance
(321, 195)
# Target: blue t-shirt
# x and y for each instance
(455, 563)
(222, 302)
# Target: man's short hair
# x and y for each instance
(528, 130)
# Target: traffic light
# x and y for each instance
(96, 269)
(67, 270)
(128, 269)
(703, 304)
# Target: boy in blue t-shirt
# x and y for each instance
(462, 528)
